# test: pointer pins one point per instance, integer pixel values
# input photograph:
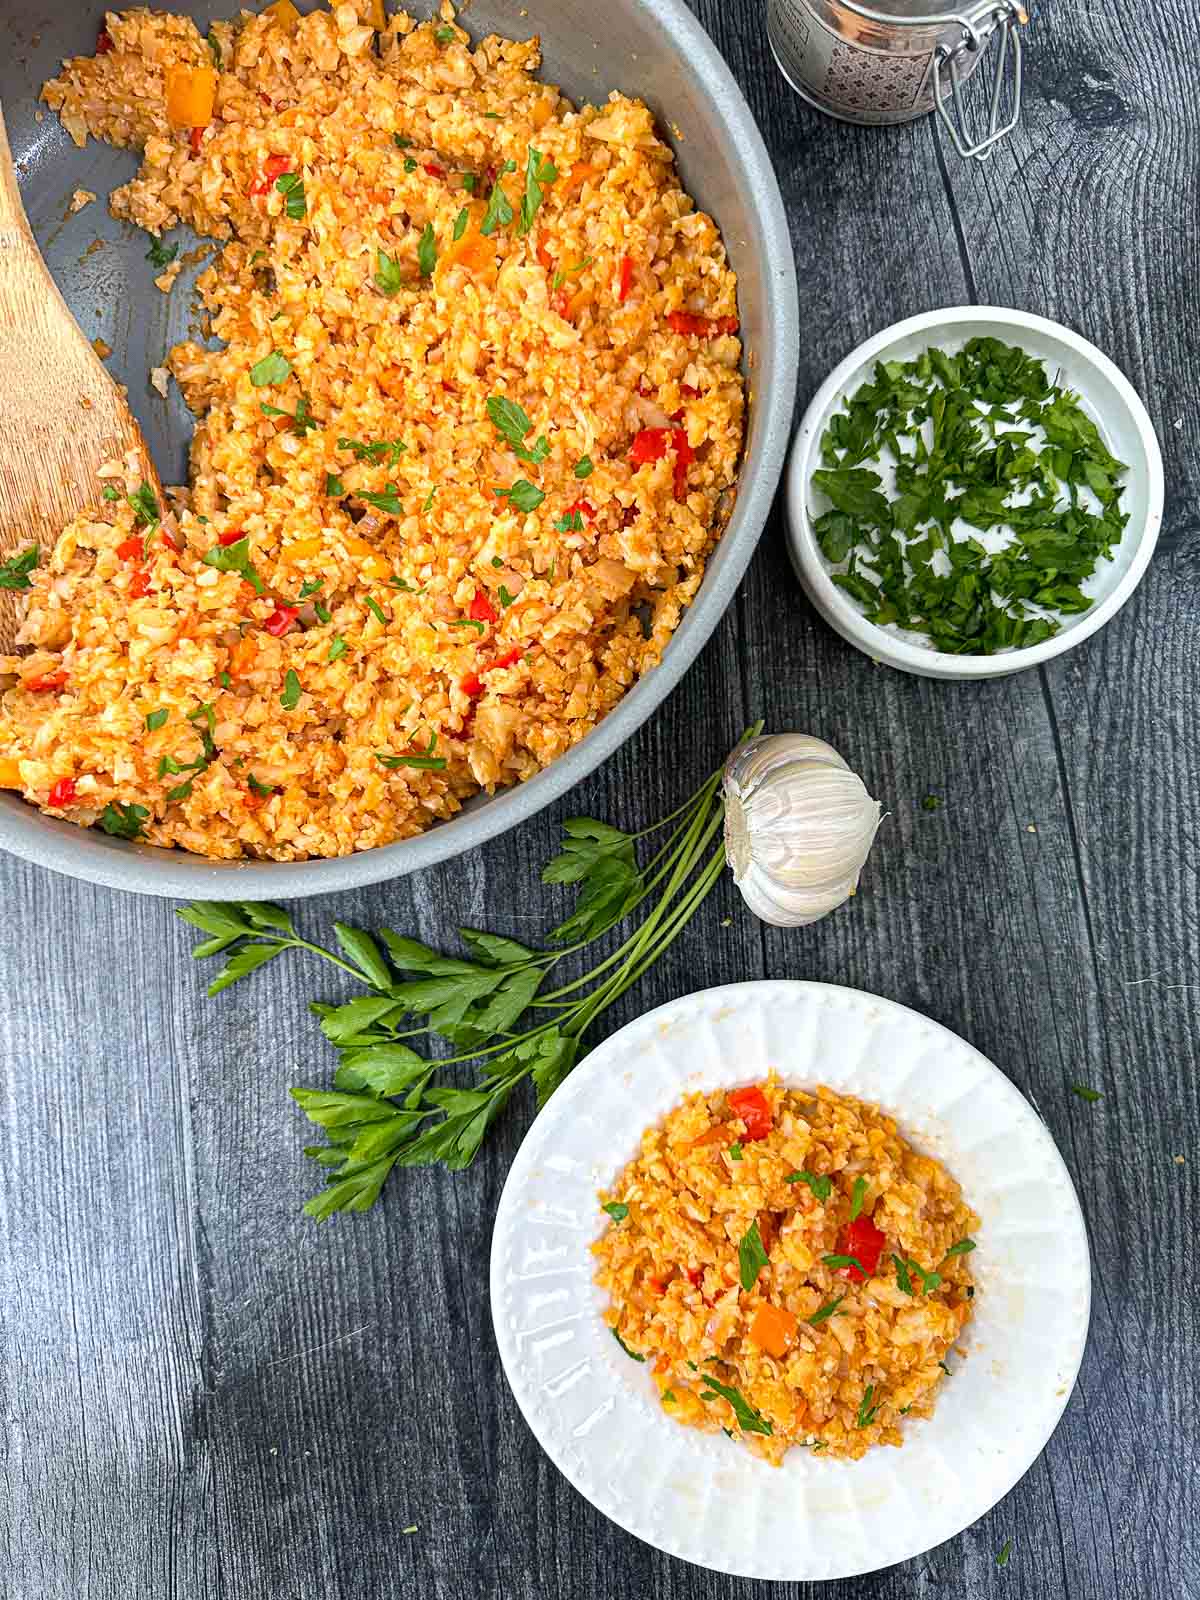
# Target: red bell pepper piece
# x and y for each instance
(47, 683)
(230, 536)
(508, 659)
(700, 327)
(196, 139)
(139, 584)
(752, 1107)
(625, 281)
(684, 456)
(862, 1240)
(171, 542)
(130, 549)
(582, 508)
(273, 167)
(545, 259)
(281, 620)
(62, 794)
(471, 684)
(481, 608)
(434, 170)
(103, 42)
(651, 444)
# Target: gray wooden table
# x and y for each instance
(206, 1396)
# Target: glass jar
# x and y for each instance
(901, 60)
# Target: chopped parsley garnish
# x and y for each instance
(584, 467)
(290, 698)
(262, 790)
(388, 501)
(214, 49)
(752, 1258)
(156, 719)
(857, 1196)
(929, 1280)
(427, 251)
(571, 272)
(506, 599)
(668, 1397)
(110, 493)
(735, 1150)
(616, 1209)
(123, 821)
(145, 506)
(491, 116)
(944, 1368)
(181, 791)
(428, 505)
(161, 254)
(523, 496)
(962, 1248)
(311, 585)
(323, 612)
(749, 1420)
(271, 370)
(1084, 1093)
(511, 422)
(376, 609)
(401, 143)
(931, 803)
(902, 1277)
(866, 1411)
(224, 680)
(469, 182)
(337, 648)
(499, 211)
(845, 1261)
(540, 173)
(469, 622)
(291, 184)
(334, 486)
(381, 450)
(632, 1354)
(821, 1186)
(460, 223)
(388, 279)
(14, 573)
(966, 434)
(445, 35)
(234, 558)
(302, 419)
(825, 1312)
(1006, 1551)
(569, 522)
(403, 585)
(427, 762)
(409, 164)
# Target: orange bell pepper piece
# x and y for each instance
(773, 1330)
(191, 96)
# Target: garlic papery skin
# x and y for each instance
(799, 825)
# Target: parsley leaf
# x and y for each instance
(427, 251)
(334, 487)
(460, 223)
(145, 506)
(845, 1261)
(337, 648)
(1005, 1552)
(821, 1186)
(124, 821)
(290, 698)
(584, 467)
(962, 1248)
(380, 450)
(825, 1311)
(540, 173)
(14, 573)
(291, 184)
(858, 1195)
(522, 496)
(234, 558)
(388, 279)
(156, 719)
(569, 522)
(1084, 1093)
(499, 211)
(866, 1411)
(445, 35)
(388, 501)
(749, 1420)
(752, 1258)
(376, 609)
(512, 423)
(632, 1354)
(271, 370)
(161, 254)
(735, 1150)
(616, 1209)
(424, 763)
(902, 1277)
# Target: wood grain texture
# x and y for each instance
(208, 1398)
(61, 415)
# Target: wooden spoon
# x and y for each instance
(61, 415)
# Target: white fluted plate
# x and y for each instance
(700, 1496)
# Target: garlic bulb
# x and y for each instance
(798, 827)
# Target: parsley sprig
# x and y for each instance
(14, 573)
(392, 1106)
(981, 437)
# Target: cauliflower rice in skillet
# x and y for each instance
(794, 1271)
(471, 433)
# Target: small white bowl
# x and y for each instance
(1105, 393)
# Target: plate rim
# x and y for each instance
(575, 1086)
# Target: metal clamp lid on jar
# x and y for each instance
(979, 24)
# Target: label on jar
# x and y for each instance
(842, 76)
